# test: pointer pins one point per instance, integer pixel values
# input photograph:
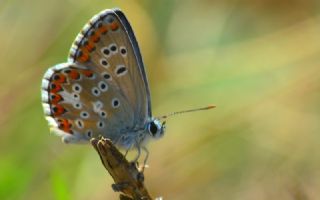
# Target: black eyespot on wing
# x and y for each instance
(77, 88)
(121, 70)
(106, 52)
(84, 114)
(115, 103)
(95, 91)
(76, 96)
(80, 124)
(101, 124)
(103, 86)
(106, 76)
(113, 48)
(123, 51)
(103, 114)
(89, 133)
(104, 62)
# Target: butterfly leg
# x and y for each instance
(140, 175)
(138, 155)
(145, 159)
(126, 153)
(121, 139)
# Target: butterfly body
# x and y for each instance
(102, 90)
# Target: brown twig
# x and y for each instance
(128, 179)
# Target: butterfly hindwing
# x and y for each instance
(102, 90)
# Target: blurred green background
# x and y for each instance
(257, 60)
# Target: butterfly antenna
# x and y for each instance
(186, 111)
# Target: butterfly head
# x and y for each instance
(156, 129)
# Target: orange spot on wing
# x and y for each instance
(74, 74)
(84, 57)
(65, 125)
(87, 73)
(55, 98)
(114, 26)
(95, 37)
(59, 78)
(90, 46)
(58, 110)
(103, 29)
(55, 87)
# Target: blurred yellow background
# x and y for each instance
(258, 61)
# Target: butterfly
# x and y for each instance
(102, 90)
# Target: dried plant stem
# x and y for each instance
(128, 179)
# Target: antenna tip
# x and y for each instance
(211, 106)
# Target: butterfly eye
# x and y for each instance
(153, 129)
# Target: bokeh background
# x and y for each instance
(257, 60)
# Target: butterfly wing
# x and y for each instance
(103, 88)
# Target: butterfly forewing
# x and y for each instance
(102, 90)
